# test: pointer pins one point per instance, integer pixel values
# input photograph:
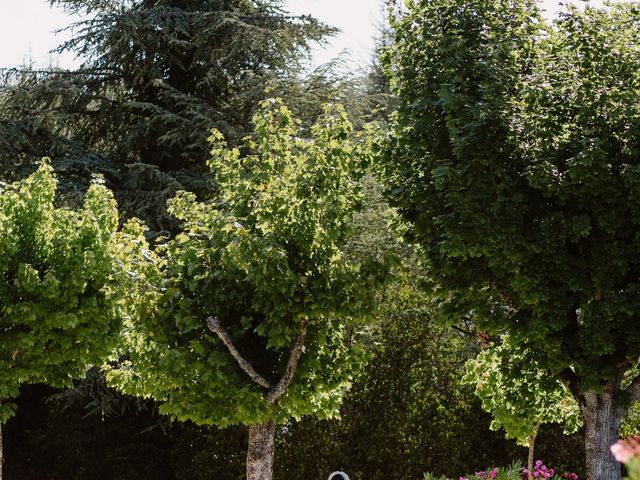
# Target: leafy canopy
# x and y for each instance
(60, 282)
(518, 393)
(514, 154)
(264, 258)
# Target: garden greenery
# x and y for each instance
(62, 273)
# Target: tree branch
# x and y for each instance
(296, 352)
(464, 331)
(58, 72)
(570, 380)
(215, 327)
(633, 390)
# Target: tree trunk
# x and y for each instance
(532, 444)
(602, 417)
(260, 451)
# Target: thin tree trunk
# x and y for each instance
(532, 444)
(602, 417)
(262, 436)
(260, 451)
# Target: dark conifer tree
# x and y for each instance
(156, 76)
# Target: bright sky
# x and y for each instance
(27, 29)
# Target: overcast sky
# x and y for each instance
(27, 29)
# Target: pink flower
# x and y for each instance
(540, 471)
(625, 450)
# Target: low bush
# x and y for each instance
(513, 472)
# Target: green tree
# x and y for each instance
(264, 268)
(60, 282)
(514, 154)
(156, 76)
(519, 394)
(400, 405)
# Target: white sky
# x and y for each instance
(27, 29)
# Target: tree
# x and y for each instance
(263, 268)
(514, 156)
(59, 284)
(156, 76)
(409, 404)
(519, 394)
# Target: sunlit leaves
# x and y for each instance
(59, 280)
(518, 393)
(263, 255)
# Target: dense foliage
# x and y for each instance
(156, 76)
(518, 393)
(60, 277)
(514, 156)
(408, 405)
(518, 179)
(399, 407)
(266, 262)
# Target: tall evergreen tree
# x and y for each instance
(156, 76)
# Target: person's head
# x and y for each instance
(338, 476)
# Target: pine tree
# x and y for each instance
(156, 76)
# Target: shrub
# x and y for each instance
(513, 472)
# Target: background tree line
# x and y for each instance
(157, 76)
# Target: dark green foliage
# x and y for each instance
(515, 157)
(377, 83)
(409, 413)
(156, 77)
(166, 72)
(397, 421)
(46, 442)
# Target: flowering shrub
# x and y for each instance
(513, 472)
(539, 471)
(628, 452)
(516, 472)
(493, 473)
(569, 476)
